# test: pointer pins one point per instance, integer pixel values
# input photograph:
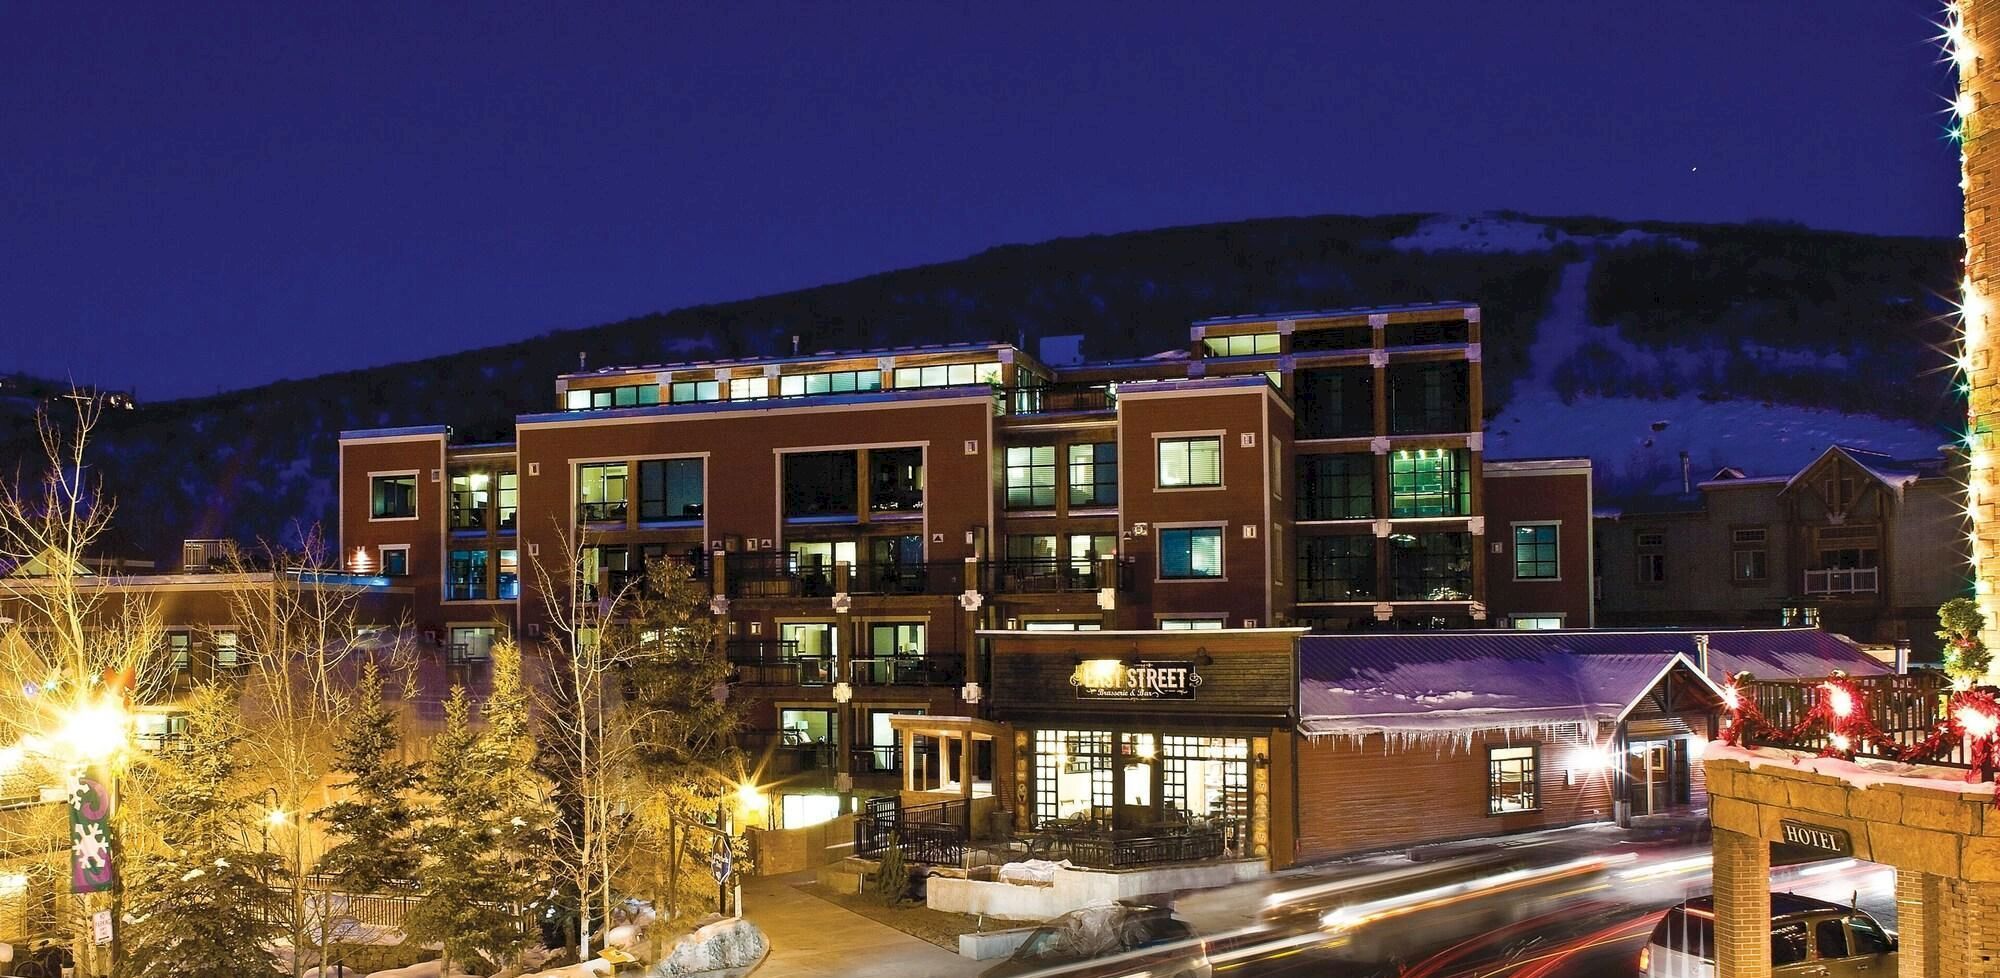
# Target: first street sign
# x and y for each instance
(1826, 839)
(1146, 679)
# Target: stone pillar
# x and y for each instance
(1967, 927)
(1742, 905)
(1979, 88)
(1917, 924)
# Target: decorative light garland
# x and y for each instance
(1838, 715)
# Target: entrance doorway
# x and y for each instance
(1658, 776)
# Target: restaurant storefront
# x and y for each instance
(1137, 736)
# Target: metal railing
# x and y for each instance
(775, 574)
(936, 669)
(1028, 401)
(898, 577)
(766, 662)
(786, 753)
(879, 759)
(1843, 580)
(929, 834)
(468, 517)
(1054, 575)
(612, 512)
(1119, 851)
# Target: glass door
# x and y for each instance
(1138, 781)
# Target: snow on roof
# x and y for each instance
(1434, 683)
(1442, 306)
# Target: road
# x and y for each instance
(1562, 915)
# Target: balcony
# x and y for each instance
(774, 574)
(941, 669)
(1019, 402)
(1843, 580)
(786, 753)
(1908, 719)
(605, 512)
(1055, 575)
(897, 577)
(765, 662)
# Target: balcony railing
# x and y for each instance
(468, 518)
(774, 574)
(784, 752)
(884, 759)
(938, 669)
(1029, 401)
(898, 577)
(1846, 580)
(1043, 575)
(1912, 718)
(613, 512)
(776, 663)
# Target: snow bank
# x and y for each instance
(726, 947)
(422, 969)
(1038, 871)
(1862, 773)
(593, 968)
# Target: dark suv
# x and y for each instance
(1809, 939)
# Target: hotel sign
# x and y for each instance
(1146, 679)
(1825, 839)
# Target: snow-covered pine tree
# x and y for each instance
(372, 829)
(201, 904)
(465, 878)
(523, 815)
(683, 735)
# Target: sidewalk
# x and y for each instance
(811, 938)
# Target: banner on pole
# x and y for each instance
(90, 857)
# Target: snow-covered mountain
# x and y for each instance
(1747, 345)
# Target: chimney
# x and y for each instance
(795, 344)
(581, 364)
(1701, 653)
(1687, 483)
(1902, 656)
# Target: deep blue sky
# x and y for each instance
(194, 199)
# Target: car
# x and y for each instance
(1809, 939)
(1109, 940)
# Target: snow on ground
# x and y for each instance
(1490, 233)
(422, 969)
(1636, 442)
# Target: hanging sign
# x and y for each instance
(1146, 679)
(90, 858)
(721, 860)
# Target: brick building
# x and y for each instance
(861, 517)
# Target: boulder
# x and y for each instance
(728, 948)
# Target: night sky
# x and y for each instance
(192, 200)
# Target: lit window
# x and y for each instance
(510, 499)
(1093, 474)
(837, 382)
(1245, 345)
(601, 493)
(1190, 462)
(465, 576)
(749, 388)
(1531, 623)
(1749, 556)
(1536, 552)
(227, 650)
(1191, 553)
(693, 391)
(510, 575)
(1510, 781)
(393, 497)
(1429, 482)
(1031, 476)
(948, 375)
(1190, 624)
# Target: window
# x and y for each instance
(1531, 623)
(1510, 780)
(395, 561)
(1036, 546)
(470, 492)
(670, 489)
(1427, 334)
(1336, 487)
(465, 576)
(1240, 346)
(1093, 475)
(510, 499)
(1749, 559)
(1430, 566)
(180, 650)
(1788, 944)
(1187, 463)
(948, 375)
(1336, 568)
(1086, 549)
(471, 644)
(1031, 476)
(808, 639)
(1536, 552)
(228, 650)
(1190, 553)
(605, 398)
(510, 575)
(1650, 538)
(1429, 482)
(896, 638)
(601, 493)
(837, 382)
(695, 391)
(606, 566)
(155, 731)
(1061, 626)
(1830, 936)
(1428, 398)
(393, 497)
(749, 388)
(895, 480)
(820, 484)
(1335, 403)
(1652, 568)
(1190, 624)
(1868, 936)
(1799, 616)
(807, 727)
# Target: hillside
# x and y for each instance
(1743, 344)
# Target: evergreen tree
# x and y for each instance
(373, 827)
(683, 734)
(201, 904)
(522, 814)
(465, 874)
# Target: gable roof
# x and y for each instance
(1893, 474)
(1435, 683)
